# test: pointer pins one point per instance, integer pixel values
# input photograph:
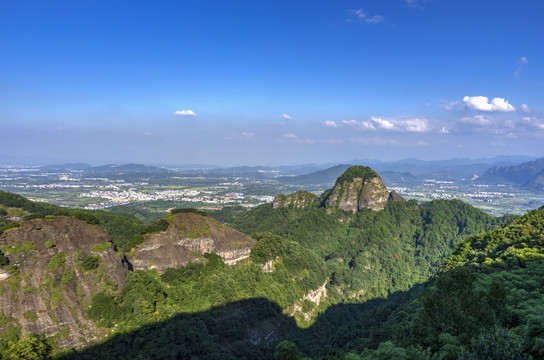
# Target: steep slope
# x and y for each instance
(299, 199)
(187, 238)
(486, 302)
(56, 265)
(358, 188)
(536, 184)
(517, 174)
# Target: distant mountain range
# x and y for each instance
(528, 175)
(517, 170)
(456, 168)
(327, 177)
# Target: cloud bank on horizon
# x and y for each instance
(270, 82)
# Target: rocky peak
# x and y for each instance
(394, 196)
(357, 188)
(300, 199)
(187, 238)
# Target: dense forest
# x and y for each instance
(319, 283)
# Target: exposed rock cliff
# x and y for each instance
(187, 238)
(299, 199)
(394, 196)
(357, 188)
(56, 265)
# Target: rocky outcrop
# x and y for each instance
(346, 196)
(359, 187)
(315, 296)
(187, 238)
(300, 199)
(48, 286)
(374, 194)
(268, 266)
(394, 196)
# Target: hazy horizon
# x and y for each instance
(267, 83)
(514, 158)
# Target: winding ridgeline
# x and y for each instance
(338, 275)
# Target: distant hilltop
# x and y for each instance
(528, 175)
(359, 187)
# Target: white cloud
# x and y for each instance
(450, 105)
(416, 3)
(487, 124)
(374, 141)
(481, 103)
(374, 19)
(533, 122)
(444, 130)
(248, 135)
(480, 120)
(286, 116)
(524, 109)
(422, 143)
(522, 62)
(360, 126)
(404, 124)
(289, 136)
(185, 112)
(382, 123)
(364, 16)
(418, 125)
(329, 124)
(147, 133)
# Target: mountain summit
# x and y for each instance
(357, 188)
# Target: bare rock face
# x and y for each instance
(188, 237)
(300, 199)
(374, 194)
(46, 288)
(345, 196)
(358, 188)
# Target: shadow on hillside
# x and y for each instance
(249, 329)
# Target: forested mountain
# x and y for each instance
(327, 273)
(456, 168)
(486, 302)
(520, 175)
(536, 183)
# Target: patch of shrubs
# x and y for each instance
(188, 210)
(91, 262)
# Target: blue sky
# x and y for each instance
(269, 82)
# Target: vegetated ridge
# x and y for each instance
(526, 175)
